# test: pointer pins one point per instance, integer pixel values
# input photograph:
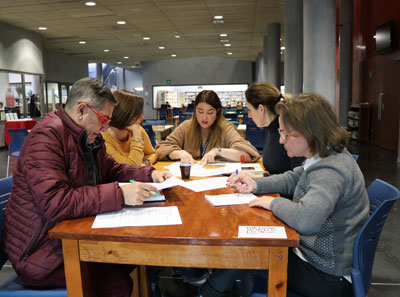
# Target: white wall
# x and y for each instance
(205, 70)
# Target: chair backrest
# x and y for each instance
(5, 191)
(150, 132)
(379, 191)
(17, 140)
(154, 122)
(163, 111)
(383, 195)
(355, 157)
(254, 135)
(176, 111)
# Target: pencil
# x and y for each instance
(151, 192)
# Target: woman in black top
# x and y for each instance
(261, 98)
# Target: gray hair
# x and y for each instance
(90, 91)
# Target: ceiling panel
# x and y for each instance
(245, 22)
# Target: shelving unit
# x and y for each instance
(358, 123)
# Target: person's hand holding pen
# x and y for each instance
(136, 193)
(242, 182)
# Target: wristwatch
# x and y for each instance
(219, 151)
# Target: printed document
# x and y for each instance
(200, 171)
(206, 184)
(133, 217)
(230, 199)
(262, 232)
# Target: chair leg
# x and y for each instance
(8, 165)
(135, 278)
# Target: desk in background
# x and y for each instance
(18, 124)
(207, 238)
(161, 131)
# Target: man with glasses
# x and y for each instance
(63, 172)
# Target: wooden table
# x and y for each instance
(161, 131)
(207, 238)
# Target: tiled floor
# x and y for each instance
(375, 163)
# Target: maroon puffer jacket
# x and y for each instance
(48, 187)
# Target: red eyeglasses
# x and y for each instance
(102, 117)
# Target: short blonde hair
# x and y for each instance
(312, 115)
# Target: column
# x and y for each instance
(259, 67)
(274, 54)
(265, 56)
(99, 71)
(319, 74)
(345, 59)
(293, 22)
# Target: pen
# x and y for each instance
(151, 192)
(237, 172)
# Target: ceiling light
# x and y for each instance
(229, 53)
(119, 62)
(106, 50)
(173, 55)
(161, 47)
(42, 28)
(223, 35)
(82, 42)
(121, 22)
(224, 40)
(126, 57)
(218, 22)
(282, 48)
(146, 38)
(177, 36)
(227, 44)
(218, 17)
(90, 3)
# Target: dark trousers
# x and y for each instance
(303, 279)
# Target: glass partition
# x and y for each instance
(231, 95)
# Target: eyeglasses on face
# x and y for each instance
(106, 120)
(284, 135)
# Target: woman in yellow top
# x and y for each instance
(126, 141)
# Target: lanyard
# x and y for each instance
(203, 149)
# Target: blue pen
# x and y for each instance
(151, 192)
(237, 172)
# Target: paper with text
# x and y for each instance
(200, 171)
(134, 217)
(206, 184)
(262, 232)
(230, 199)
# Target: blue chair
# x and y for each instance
(382, 197)
(150, 132)
(154, 122)
(355, 157)
(189, 109)
(184, 117)
(255, 136)
(176, 111)
(13, 286)
(17, 140)
(163, 112)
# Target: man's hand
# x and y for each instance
(136, 193)
(160, 176)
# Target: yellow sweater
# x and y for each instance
(132, 151)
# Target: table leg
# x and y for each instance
(72, 266)
(277, 274)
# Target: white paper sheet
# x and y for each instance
(147, 216)
(230, 199)
(206, 184)
(168, 183)
(261, 232)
